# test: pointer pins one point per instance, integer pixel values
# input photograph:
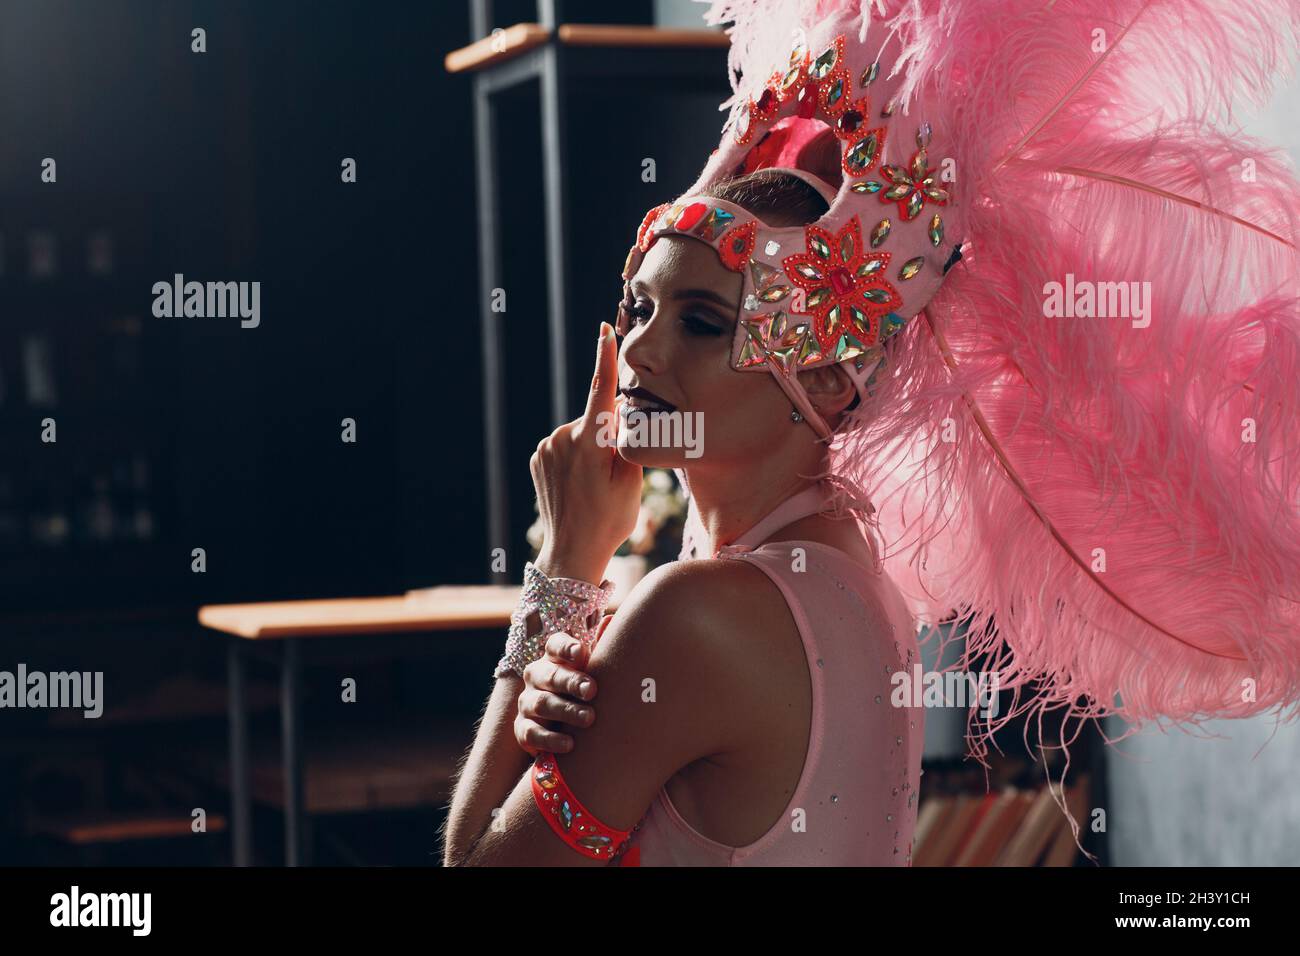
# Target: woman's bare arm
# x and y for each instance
(487, 774)
(495, 760)
(669, 687)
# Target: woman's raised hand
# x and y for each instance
(588, 495)
(554, 693)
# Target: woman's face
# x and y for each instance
(678, 349)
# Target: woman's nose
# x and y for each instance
(643, 349)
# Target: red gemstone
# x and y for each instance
(766, 101)
(737, 246)
(808, 101)
(850, 120)
(841, 281)
(691, 215)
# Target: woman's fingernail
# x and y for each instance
(584, 687)
(604, 331)
(572, 651)
(584, 713)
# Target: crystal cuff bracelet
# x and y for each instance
(562, 604)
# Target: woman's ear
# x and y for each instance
(829, 388)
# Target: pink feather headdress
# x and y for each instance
(834, 291)
(1111, 500)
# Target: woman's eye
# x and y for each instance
(640, 313)
(698, 326)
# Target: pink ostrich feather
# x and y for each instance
(1115, 506)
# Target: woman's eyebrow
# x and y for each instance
(706, 294)
(680, 294)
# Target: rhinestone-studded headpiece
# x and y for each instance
(837, 289)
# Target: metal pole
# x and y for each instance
(240, 799)
(291, 747)
(556, 204)
(480, 18)
(494, 449)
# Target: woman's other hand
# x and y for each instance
(588, 495)
(556, 691)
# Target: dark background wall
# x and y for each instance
(225, 166)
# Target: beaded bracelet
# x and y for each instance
(572, 822)
(563, 604)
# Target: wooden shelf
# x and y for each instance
(491, 50)
(522, 37)
(597, 34)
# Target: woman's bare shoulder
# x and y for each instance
(716, 609)
(708, 590)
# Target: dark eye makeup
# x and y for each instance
(638, 312)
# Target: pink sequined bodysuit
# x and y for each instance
(859, 787)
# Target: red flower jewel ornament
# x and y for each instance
(912, 187)
(845, 290)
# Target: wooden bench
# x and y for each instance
(121, 828)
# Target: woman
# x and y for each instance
(1110, 499)
(727, 686)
